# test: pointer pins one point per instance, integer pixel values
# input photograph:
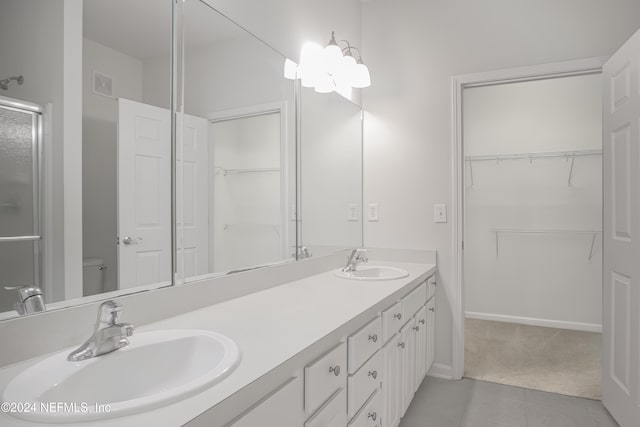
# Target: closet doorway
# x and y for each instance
(532, 264)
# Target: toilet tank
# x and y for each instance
(92, 276)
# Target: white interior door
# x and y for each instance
(192, 196)
(144, 194)
(621, 298)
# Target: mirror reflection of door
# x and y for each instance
(245, 199)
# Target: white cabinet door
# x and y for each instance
(392, 354)
(282, 408)
(407, 343)
(431, 333)
(420, 330)
(621, 284)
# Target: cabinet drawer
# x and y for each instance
(280, 408)
(370, 414)
(392, 321)
(431, 286)
(364, 343)
(332, 414)
(324, 376)
(363, 383)
(412, 302)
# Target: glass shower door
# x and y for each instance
(19, 198)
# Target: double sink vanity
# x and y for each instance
(339, 348)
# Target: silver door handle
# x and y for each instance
(128, 241)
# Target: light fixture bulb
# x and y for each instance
(311, 64)
(361, 77)
(325, 84)
(332, 55)
(290, 69)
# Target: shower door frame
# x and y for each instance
(36, 112)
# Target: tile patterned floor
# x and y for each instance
(471, 403)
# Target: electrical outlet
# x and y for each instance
(372, 212)
(440, 213)
(352, 211)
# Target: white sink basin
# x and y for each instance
(373, 272)
(155, 369)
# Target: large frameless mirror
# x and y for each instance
(85, 151)
(236, 149)
(330, 173)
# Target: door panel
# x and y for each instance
(621, 296)
(144, 194)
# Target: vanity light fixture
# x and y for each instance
(334, 68)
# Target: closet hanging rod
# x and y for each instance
(549, 154)
(222, 171)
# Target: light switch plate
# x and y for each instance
(440, 213)
(352, 211)
(372, 212)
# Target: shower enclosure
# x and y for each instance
(20, 238)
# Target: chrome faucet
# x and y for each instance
(108, 334)
(357, 256)
(31, 300)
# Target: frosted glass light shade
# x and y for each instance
(325, 84)
(360, 76)
(332, 56)
(290, 69)
(345, 70)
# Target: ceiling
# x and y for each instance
(142, 28)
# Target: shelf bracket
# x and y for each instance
(593, 242)
(573, 159)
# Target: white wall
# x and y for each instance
(412, 48)
(538, 279)
(99, 154)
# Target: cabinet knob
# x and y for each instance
(401, 344)
(372, 415)
(335, 370)
(398, 316)
(416, 328)
(432, 309)
(373, 374)
(422, 321)
(373, 337)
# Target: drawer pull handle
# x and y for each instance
(422, 321)
(401, 344)
(416, 328)
(373, 374)
(373, 337)
(372, 415)
(398, 316)
(335, 370)
(432, 309)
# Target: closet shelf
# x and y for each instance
(592, 233)
(568, 155)
(222, 171)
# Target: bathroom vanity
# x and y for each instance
(318, 351)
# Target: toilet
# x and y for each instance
(92, 276)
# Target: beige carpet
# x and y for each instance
(548, 359)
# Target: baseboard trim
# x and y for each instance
(440, 370)
(576, 326)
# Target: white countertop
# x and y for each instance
(270, 327)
